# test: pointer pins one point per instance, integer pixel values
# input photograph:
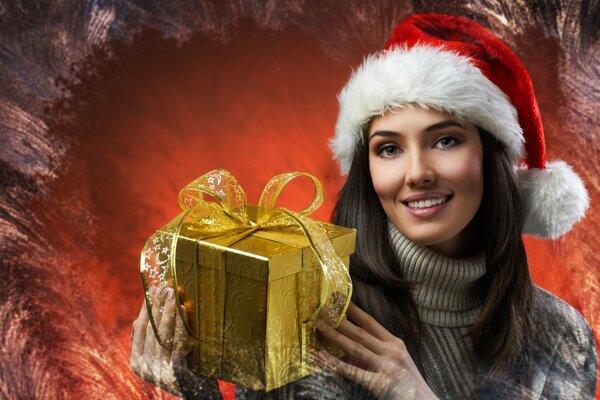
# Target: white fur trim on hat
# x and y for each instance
(555, 199)
(429, 77)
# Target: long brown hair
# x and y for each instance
(501, 331)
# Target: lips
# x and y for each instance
(427, 196)
(427, 204)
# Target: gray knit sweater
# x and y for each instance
(563, 355)
(563, 362)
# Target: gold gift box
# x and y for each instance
(247, 303)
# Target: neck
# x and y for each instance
(446, 288)
(467, 243)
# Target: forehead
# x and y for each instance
(412, 118)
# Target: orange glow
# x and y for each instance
(161, 115)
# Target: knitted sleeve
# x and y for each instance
(322, 385)
(192, 386)
(574, 368)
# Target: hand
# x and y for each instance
(149, 359)
(375, 358)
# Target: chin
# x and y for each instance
(427, 236)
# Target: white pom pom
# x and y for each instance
(555, 199)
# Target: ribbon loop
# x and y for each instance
(274, 187)
(221, 185)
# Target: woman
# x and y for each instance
(431, 131)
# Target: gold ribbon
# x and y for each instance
(226, 220)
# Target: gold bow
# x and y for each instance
(226, 221)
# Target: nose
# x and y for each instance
(419, 170)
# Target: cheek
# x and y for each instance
(385, 182)
(469, 175)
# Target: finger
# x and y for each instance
(355, 352)
(181, 341)
(357, 374)
(362, 336)
(166, 328)
(161, 295)
(151, 342)
(367, 322)
(144, 310)
(139, 330)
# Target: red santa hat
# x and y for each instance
(457, 66)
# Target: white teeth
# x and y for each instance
(426, 203)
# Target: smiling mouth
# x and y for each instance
(421, 204)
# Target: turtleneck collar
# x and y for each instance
(445, 290)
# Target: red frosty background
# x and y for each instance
(108, 108)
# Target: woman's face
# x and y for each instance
(427, 171)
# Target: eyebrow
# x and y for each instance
(439, 125)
